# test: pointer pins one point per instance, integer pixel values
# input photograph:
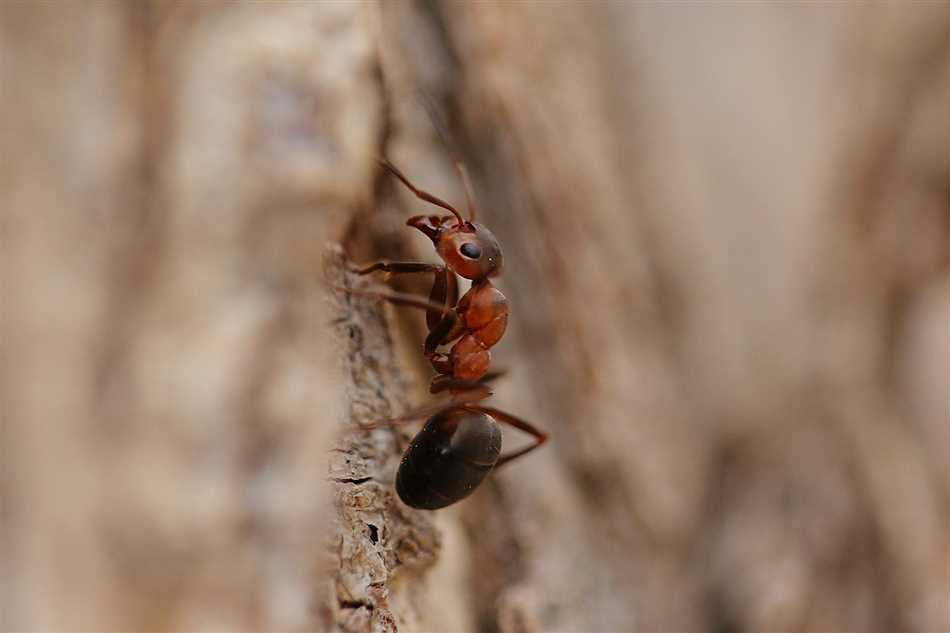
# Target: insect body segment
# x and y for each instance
(448, 458)
(484, 311)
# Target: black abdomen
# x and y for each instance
(448, 458)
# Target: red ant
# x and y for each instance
(461, 442)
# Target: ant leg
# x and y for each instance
(446, 331)
(493, 375)
(444, 382)
(467, 185)
(445, 291)
(539, 436)
(449, 328)
(424, 411)
(433, 408)
(422, 195)
(397, 298)
(397, 268)
(463, 390)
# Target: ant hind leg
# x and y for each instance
(540, 437)
(418, 413)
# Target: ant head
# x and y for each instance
(467, 248)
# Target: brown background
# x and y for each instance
(726, 239)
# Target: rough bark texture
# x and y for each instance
(727, 246)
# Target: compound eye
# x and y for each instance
(470, 250)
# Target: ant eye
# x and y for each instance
(471, 250)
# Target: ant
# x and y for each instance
(461, 442)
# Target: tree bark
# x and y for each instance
(725, 233)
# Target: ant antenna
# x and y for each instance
(422, 195)
(467, 184)
(441, 129)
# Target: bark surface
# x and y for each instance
(727, 253)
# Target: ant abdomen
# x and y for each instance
(448, 458)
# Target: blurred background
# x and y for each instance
(726, 231)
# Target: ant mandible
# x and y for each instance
(461, 442)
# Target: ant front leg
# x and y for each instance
(445, 288)
(445, 331)
(448, 324)
(397, 268)
(445, 291)
(540, 437)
